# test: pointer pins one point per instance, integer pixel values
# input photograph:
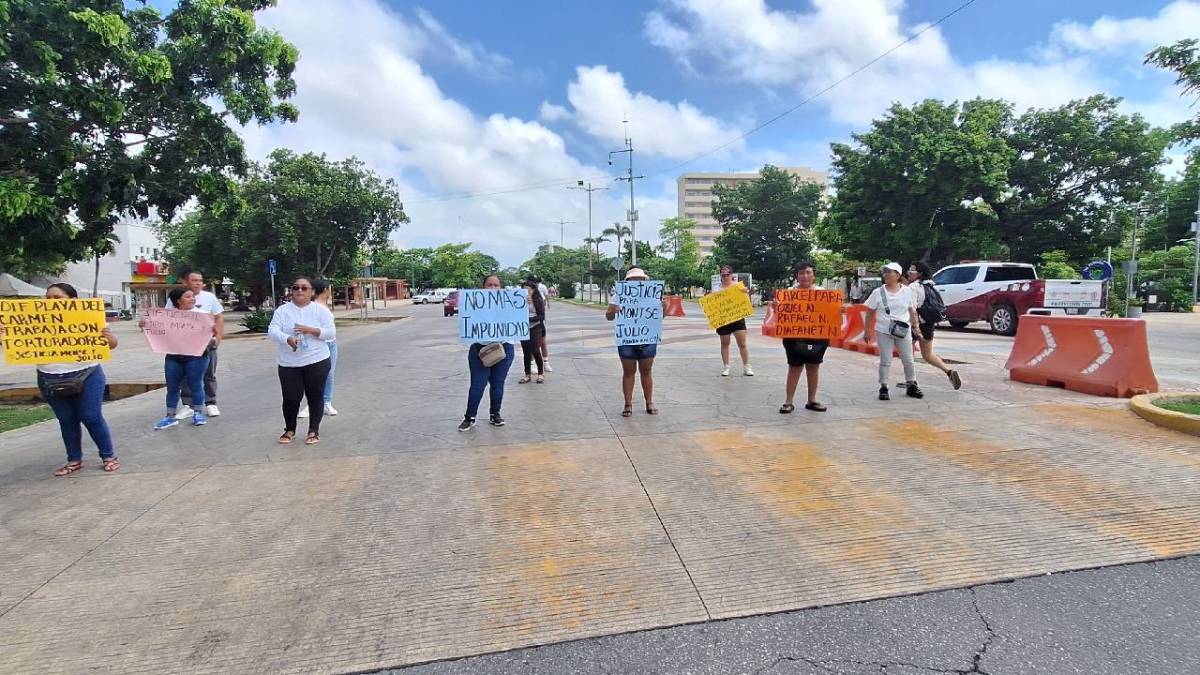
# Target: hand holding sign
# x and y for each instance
(639, 313)
(493, 315)
(809, 313)
(726, 306)
(54, 331)
(176, 331)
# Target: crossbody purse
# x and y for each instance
(899, 329)
(69, 385)
(491, 354)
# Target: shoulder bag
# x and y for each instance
(898, 329)
(68, 385)
(491, 354)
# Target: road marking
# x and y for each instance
(1106, 352)
(1050, 346)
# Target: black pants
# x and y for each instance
(298, 383)
(530, 351)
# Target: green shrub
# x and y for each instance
(258, 321)
(566, 291)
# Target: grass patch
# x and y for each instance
(1189, 406)
(17, 416)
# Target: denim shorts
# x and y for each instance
(637, 352)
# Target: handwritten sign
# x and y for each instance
(493, 315)
(808, 313)
(726, 306)
(54, 331)
(640, 313)
(173, 331)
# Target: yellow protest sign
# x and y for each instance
(808, 313)
(724, 307)
(54, 331)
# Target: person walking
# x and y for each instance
(75, 391)
(531, 349)
(485, 376)
(930, 310)
(803, 355)
(543, 345)
(894, 310)
(636, 359)
(737, 329)
(205, 302)
(301, 328)
(322, 292)
(180, 368)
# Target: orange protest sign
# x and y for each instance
(808, 313)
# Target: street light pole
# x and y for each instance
(1196, 250)
(633, 214)
(591, 259)
(562, 229)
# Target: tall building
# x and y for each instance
(695, 196)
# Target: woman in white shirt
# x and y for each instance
(894, 310)
(301, 329)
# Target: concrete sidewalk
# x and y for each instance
(399, 540)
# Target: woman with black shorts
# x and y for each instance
(636, 359)
(737, 329)
(920, 281)
(803, 355)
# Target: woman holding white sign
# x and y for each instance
(489, 364)
(180, 367)
(737, 329)
(302, 329)
(637, 358)
(74, 391)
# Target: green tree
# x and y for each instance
(412, 264)
(680, 271)
(1055, 266)
(1183, 57)
(109, 110)
(618, 232)
(766, 224)
(454, 266)
(557, 265)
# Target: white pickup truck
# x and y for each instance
(1000, 293)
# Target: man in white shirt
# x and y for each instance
(208, 303)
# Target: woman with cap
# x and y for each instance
(737, 329)
(893, 307)
(920, 282)
(636, 359)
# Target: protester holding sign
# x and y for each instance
(930, 310)
(894, 310)
(490, 320)
(205, 302)
(302, 329)
(74, 390)
(798, 312)
(638, 308)
(735, 328)
(169, 328)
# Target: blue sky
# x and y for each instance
(488, 98)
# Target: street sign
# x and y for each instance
(1130, 266)
(633, 215)
(617, 264)
(1193, 228)
(271, 266)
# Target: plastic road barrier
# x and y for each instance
(1103, 357)
(674, 305)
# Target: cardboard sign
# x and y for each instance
(493, 315)
(808, 313)
(174, 331)
(640, 313)
(54, 331)
(725, 307)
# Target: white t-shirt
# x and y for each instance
(918, 292)
(313, 349)
(205, 302)
(898, 305)
(545, 295)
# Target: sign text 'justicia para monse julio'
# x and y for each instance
(493, 315)
(54, 331)
(640, 313)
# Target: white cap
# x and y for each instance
(636, 273)
(895, 267)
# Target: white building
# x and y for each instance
(138, 242)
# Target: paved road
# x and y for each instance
(399, 540)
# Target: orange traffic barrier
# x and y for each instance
(846, 327)
(674, 305)
(1104, 357)
(768, 324)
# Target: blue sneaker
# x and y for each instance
(165, 423)
(199, 419)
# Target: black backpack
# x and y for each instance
(933, 309)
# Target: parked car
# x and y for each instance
(450, 306)
(1000, 292)
(426, 297)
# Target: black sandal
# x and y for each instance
(651, 409)
(815, 407)
(786, 409)
(287, 437)
(628, 411)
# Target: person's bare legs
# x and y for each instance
(743, 350)
(629, 368)
(813, 372)
(725, 350)
(645, 366)
(793, 379)
(931, 358)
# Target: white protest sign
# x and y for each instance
(493, 315)
(640, 316)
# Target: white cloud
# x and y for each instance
(1176, 21)
(676, 130)
(749, 41)
(470, 56)
(549, 112)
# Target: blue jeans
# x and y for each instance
(83, 409)
(192, 369)
(332, 366)
(482, 376)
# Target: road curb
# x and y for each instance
(1143, 405)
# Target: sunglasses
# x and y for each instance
(301, 288)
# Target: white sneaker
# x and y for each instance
(547, 364)
(184, 412)
(748, 371)
(303, 412)
(725, 373)
(213, 410)
(329, 409)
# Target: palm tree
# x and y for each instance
(101, 248)
(620, 232)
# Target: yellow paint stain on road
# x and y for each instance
(1103, 503)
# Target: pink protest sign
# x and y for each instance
(173, 331)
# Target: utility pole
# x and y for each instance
(591, 259)
(562, 230)
(633, 214)
(1196, 250)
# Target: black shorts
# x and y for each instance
(926, 332)
(801, 352)
(731, 328)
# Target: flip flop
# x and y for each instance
(786, 408)
(815, 407)
(287, 437)
(312, 439)
(628, 411)
(651, 410)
